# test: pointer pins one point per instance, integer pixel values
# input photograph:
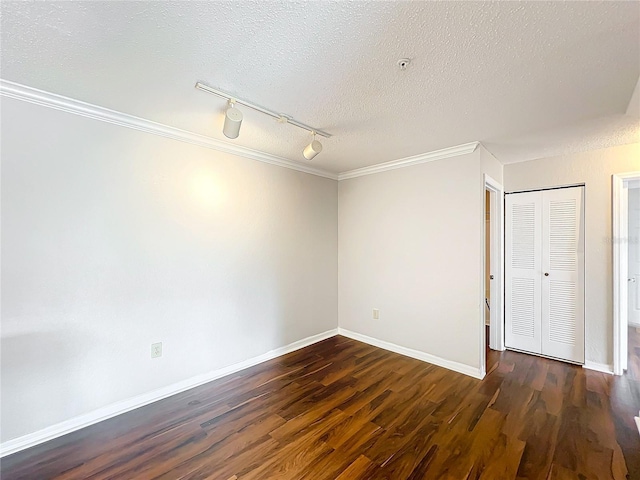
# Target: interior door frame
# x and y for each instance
(620, 232)
(496, 224)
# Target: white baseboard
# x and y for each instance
(425, 357)
(634, 324)
(104, 413)
(599, 367)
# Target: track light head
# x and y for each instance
(313, 149)
(232, 121)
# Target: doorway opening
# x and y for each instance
(492, 317)
(626, 273)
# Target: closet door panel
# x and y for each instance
(562, 279)
(523, 271)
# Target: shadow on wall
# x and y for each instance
(31, 364)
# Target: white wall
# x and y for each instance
(595, 169)
(411, 245)
(490, 164)
(493, 168)
(113, 239)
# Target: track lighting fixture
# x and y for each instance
(313, 149)
(232, 121)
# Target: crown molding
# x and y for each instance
(88, 110)
(414, 160)
(59, 102)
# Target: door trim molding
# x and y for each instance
(569, 185)
(619, 185)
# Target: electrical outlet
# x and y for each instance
(156, 350)
(376, 314)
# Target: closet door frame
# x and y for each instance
(509, 273)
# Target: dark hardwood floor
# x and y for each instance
(344, 410)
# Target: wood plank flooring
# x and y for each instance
(344, 410)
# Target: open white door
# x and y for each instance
(496, 267)
(523, 253)
(633, 274)
(623, 266)
(562, 282)
(496, 341)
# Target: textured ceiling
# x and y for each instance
(525, 78)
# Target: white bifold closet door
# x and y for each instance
(545, 273)
(523, 287)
